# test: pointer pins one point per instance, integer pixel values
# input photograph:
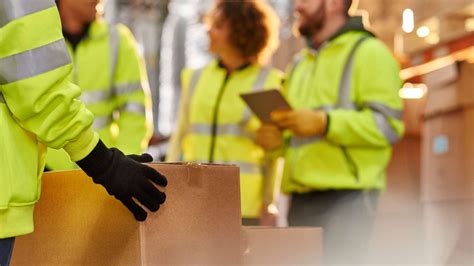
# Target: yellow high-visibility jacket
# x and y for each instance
(38, 107)
(356, 80)
(113, 79)
(215, 125)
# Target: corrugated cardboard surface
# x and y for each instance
(448, 157)
(442, 100)
(448, 145)
(466, 84)
(200, 223)
(441, 77)
(77, 223)
(281, 246)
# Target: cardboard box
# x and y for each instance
(448, 146)
(282, 246)
(466, 84)
(78, 223)
(442, 77)
(447, 171)
(201, 221)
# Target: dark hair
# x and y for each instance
(253, 25)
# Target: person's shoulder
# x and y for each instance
(123, 30)
(372, 45)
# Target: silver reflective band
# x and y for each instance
(114, 46)
(15, 9)
(91, 97)
(33, 62)
(345, 100)
(2, 100)
(384, 126)
(385, 110)
(126, 88)
(326, 108)
(257, 86)
(137, 108)
(101, 122)
(245, 167)
(296, 142)
(194, 81)
(223, 129)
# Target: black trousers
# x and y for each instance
(347, 218)
(6, 250)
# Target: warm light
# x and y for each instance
(408, 21)
(469, 24)
(423, 32)
(433, 38)
(413, 91)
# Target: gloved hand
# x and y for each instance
(269, 137)
(124, 177)
(303, 123)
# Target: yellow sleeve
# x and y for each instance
(34, 70)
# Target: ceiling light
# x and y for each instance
(413, 91)
(408, 21)
(469, 24)
(423, 31)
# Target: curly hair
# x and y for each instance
(253, 24)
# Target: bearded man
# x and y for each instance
(337, 141)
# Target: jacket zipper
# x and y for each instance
(215, 118)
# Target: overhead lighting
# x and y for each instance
(423, 31)
(433, 38)
(413, 91)
(469, 24)
(408, 21)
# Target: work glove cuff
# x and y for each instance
(98, 161)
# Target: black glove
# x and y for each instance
(125, 178)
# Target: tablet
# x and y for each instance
(262, 103)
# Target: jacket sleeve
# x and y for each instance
(34, 70)
(378, 120)
(133, 96)
(175, 147)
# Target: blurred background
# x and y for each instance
(426, 214)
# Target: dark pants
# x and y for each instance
(6, 249)
(250, 222)
(347, 218)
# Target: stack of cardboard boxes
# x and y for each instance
(77, 223)
(447, 179)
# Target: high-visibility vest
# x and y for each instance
(113, 79)
(38, 107)
(355, 79)
(221, 129)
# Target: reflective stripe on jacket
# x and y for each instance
(360, 93)
(216, 126)
(113, 79)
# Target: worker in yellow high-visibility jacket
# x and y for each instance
(39, 109)
(111, 73)
(347, 115)
(215, 125)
